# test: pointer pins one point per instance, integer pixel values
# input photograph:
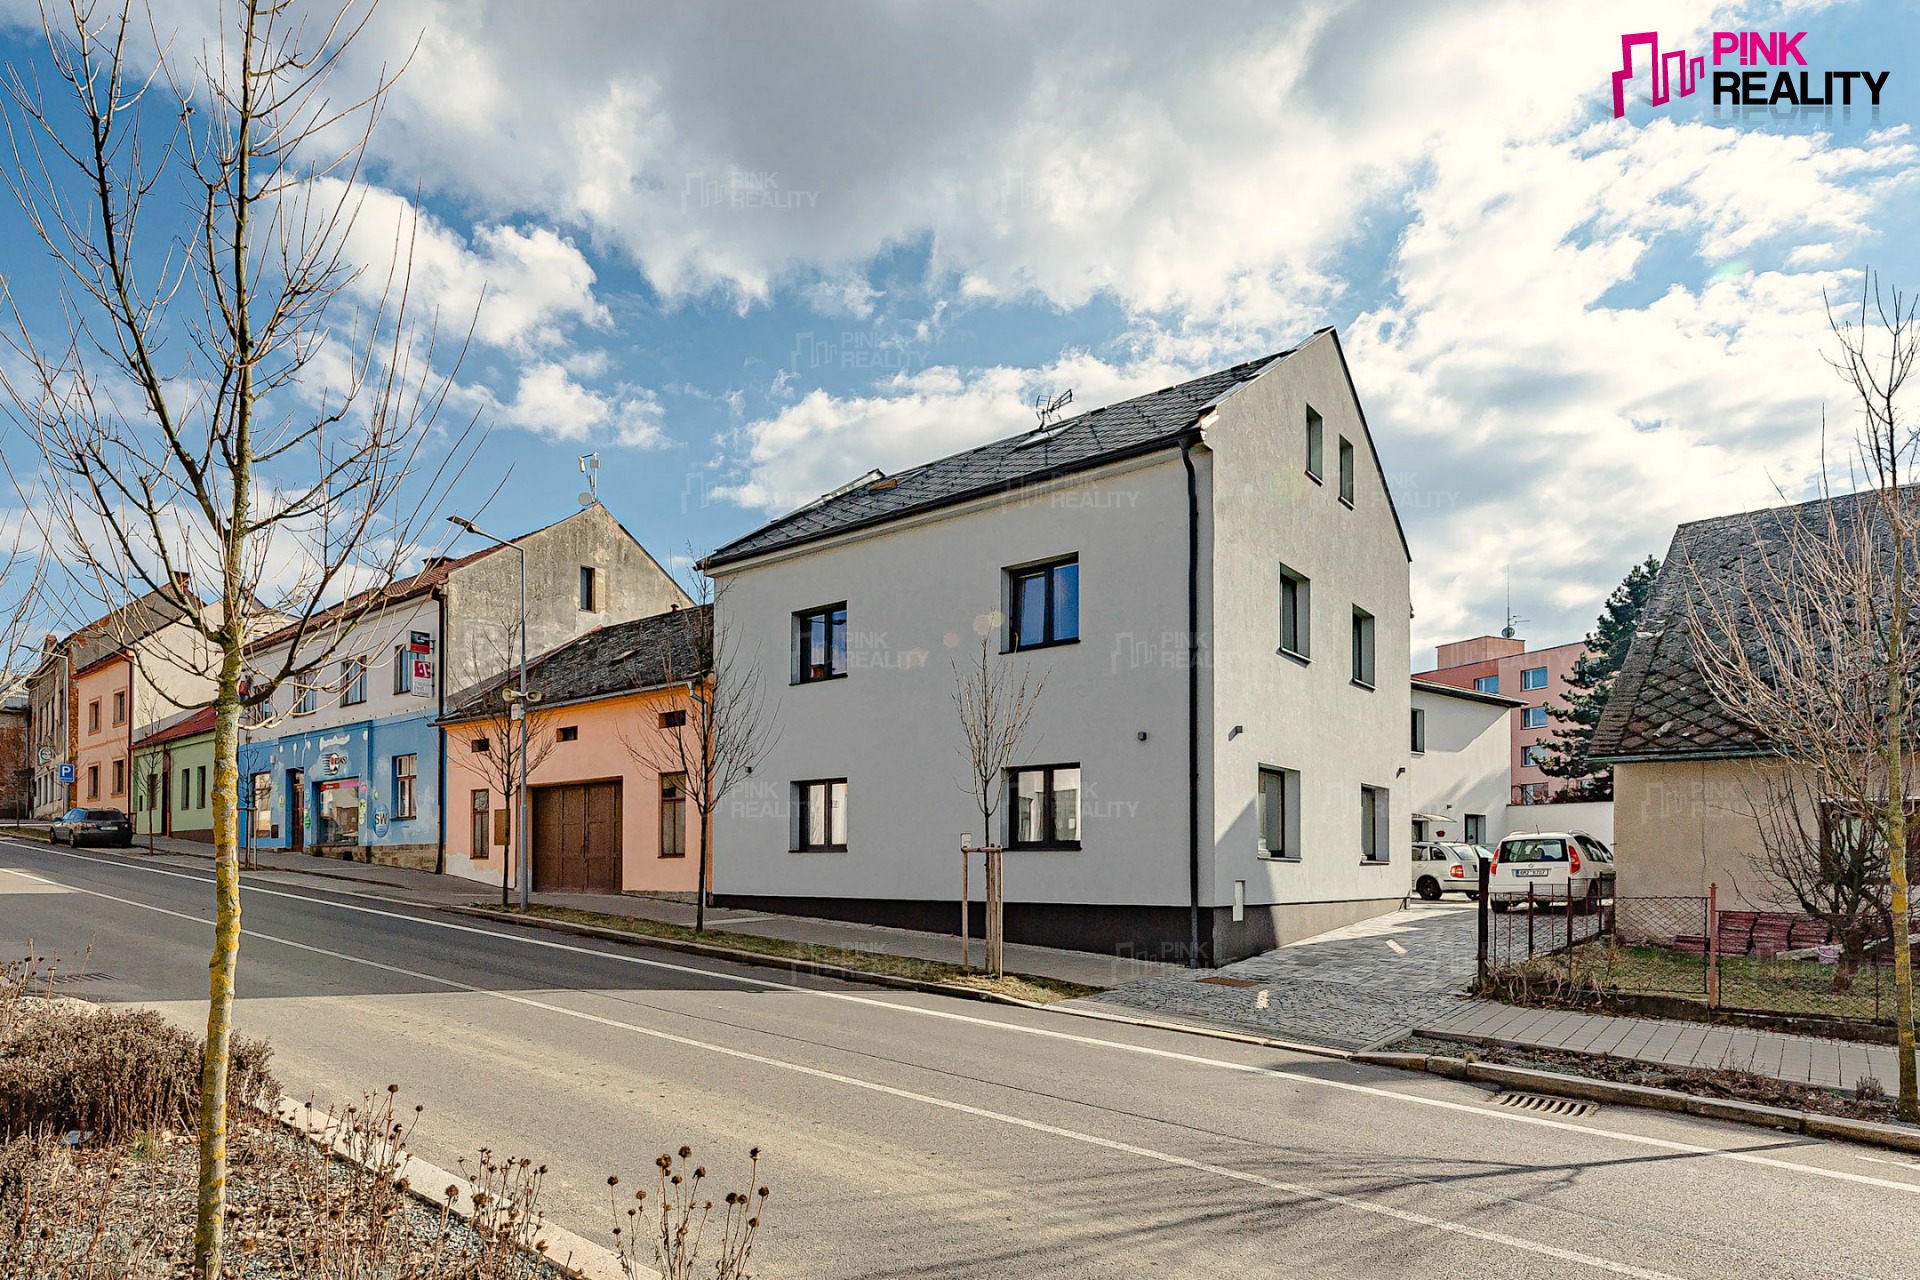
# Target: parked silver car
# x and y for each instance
(92, 826)
(1447, 866)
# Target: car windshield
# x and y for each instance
(1532, 850)
(74, 815)
(104, 815)
(1461, 851)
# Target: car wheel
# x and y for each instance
(1428, 888)
(1501, 907)
(1593, 897)
(1473, 895)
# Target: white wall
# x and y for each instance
(1595, 817)
(1465, 768)
(1309, 716)
(373, 637)
(915, 594)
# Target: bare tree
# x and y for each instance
(237, 417)
(1813, 640)
(499, 764)
(728, 727)
(995, 704)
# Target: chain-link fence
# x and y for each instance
(1590, 945)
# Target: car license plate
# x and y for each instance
(1530, 872)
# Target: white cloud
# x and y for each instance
(549, 402)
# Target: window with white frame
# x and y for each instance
(307, 701)
(1486, 684)
(402, 669)
(1045, 808)
(1533, 678)
(1533, 717)
(353, 681)
(406, 778)
(820, 816)
(1536, 755)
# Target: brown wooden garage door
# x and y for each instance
(576, 838)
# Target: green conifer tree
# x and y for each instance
(1590, 684)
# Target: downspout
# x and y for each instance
(440, 732)
(1193, 701)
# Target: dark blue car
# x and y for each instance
(93, 826)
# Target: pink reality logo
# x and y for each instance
(1660, 65)
(1675, 74)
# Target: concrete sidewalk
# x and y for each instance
(1805, 1060)
(1084, 968)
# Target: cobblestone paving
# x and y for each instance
(1346, 989)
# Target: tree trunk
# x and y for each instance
(209, 1221)
(700, 890)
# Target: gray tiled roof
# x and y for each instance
(1139, 425)
(1661, 707)
(606, 662)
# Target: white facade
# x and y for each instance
(1460, 783)
(920, 590)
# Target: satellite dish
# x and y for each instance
(587, 499)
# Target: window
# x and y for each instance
(820, 813)
(1486, 684)
(402, 669)
(1045, 813)
(1419, 730)
(673, 815)
(353, 682)
(200, 787)
(478, 834)
(567, 733)
(406, 776)
(153, 793)
(1373, 824)
(1362, 647)
(119, 706)
(263, 805)
(672, 719)
(93, 780)
(1346, 471)
(1476, 828)
(1044, 604)
(1296, 613)
(307, 701)
(480, 746)
(1533, 717)
(119, 777)
(1536, 755)
(1279, 813)
(1533, 678)
(588, 598)
(820, 644)
(93, 716)
(1316, 444)
(185, 791)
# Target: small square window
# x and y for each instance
(480, 746)
(567, 733)
(820, 644)
(1536, 755)
(672, 719)
(1486, 684)
(1043, 605)
(820, 816)
(1533, 678)
(1045, 808)
(1346, 470)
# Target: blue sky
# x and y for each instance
(746, 255)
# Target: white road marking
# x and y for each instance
(1261, 1001)
(1409, 1217)
(1898, 1164)
(1395, 947)
(1479, 1112)
(12, 881)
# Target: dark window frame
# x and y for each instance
(1348, 470)
(1376, 846)
(1316, 446)
(480, 823)
(1046, 571)
(805, 670)
(1418, 732)
(1288, 782)
(589, 589)
(1296, 613)
(1049, 814)
(673, 815)
(803, 811)
(1364, 666)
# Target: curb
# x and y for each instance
(1810, 1123)
(571, 1254)
(819, 968)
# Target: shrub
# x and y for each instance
(113, 1073)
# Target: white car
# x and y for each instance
(1560, 867)
(1447, 866)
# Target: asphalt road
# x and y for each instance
(914, 1136)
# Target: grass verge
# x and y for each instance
(1019, 986)
(28, 833)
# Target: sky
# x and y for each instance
(747, 252)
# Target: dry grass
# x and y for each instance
(1019, 986)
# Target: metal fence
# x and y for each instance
(1595, 948)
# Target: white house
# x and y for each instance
(1461, 775)
(1212, 581)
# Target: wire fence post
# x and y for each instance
(1529, 922)
(1486, 908)
(1713, 946)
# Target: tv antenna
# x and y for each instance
(1512, 622)
(590, 468)
(1047, 409)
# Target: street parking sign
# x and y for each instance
(66, 771)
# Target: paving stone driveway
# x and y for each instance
(1346, 989)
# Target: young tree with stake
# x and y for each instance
(235, 415)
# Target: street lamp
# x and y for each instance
(523, 876)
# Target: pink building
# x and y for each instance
(1538, 677)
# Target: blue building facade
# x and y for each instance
(368, 790)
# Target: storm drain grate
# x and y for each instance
(59, 979)
(1545, 1104)
(1232, 982)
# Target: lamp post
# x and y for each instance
(523, 876)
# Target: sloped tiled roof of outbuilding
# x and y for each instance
(607, 662)
(1109, 434)
(1661, 706)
